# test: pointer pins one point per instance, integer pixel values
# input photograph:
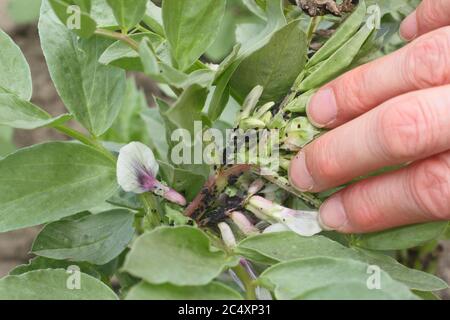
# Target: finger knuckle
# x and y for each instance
(429, 185)
(352, 92)
(406, 132)
(325, 166)
(428, 12)
(360, 208)
(427, 62)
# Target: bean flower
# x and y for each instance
(305, 223)
(137, 169)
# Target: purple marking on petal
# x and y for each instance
(149, 183)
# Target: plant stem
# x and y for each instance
(118, 36)
(151, 209)
(315, 21)
(85, 140)
(247, 281)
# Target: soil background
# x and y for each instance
(15, 246)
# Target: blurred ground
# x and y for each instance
(14, 246)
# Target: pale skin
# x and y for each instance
(392, 111)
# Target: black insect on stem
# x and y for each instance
(316, 8)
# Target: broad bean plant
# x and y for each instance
(190, 198)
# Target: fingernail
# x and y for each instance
(409, 28)
(332, 215)
(322, 109)
(299, 174)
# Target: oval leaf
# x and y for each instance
(96, 239)
(303, 278)
(128, 13)
(15, 75)
(403, 237)
(91, 91)
(180, 256)
(21, 114)
(74, 15)
(275, 66)
(53, 285)
(51, 181)
(285, 246)
(212, 291)
(191, 27)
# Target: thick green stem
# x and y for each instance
(248, 282)
(151, 208)
(315, 21)
(118, 36)
(85, 140)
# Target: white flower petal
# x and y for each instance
(227, 235)
(277, 227)
(134, 159)
(304, 223)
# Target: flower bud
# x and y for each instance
(227, 235)
(300, 103)
(264, 109)
(305, 223)
(243, 223)
(256, 186)
(251, 123)
(251, 101)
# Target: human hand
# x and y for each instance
(393, 111)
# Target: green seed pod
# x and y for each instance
(264, 109)
(300, 103)
(251, 101)
(267, 117)
(341, 36)
(252, 123)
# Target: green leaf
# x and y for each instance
(403, 237)
(52, 285)
(187, 109)
(128, 13)
(6, 141)
(338, 62)
(128, 126)
(414, 279)
(285, 246)
(51, 181)
(275, 66)
(212, 291)
(103, 14)
(276, 20)
(148, 58)
(155, 127)
(345, 31)
(179, 256)
(42, 263)
(185, 181)
(329, 278)
(15, 75)
(96, 239)
(21, 114)
(67, 13)
(119, 54)
(153, 18)
(94, 98)
(191, 27)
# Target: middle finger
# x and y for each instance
(407, 128)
